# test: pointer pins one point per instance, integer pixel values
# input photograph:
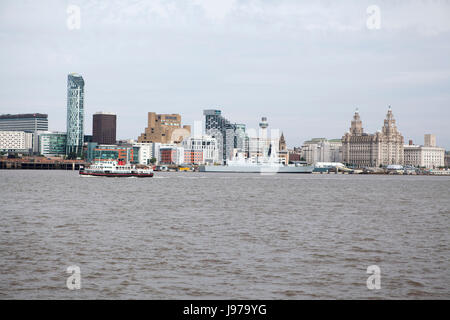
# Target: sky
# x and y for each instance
(305, 65)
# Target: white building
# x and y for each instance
(16, 141)
(171, 154)
(429, 156)
(322, 150)
(206, 144)
(147, 151)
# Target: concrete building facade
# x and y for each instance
(424, 157)
(29, 122)
(427, 156)
(322, 150)
(16, 141)
(165, 129)
(203, 149)
(430, 140)
(148, 151)
(171, 154)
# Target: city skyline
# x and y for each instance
(231, 158)
(306, 72)
(89, 131)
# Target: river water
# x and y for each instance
(223, 236)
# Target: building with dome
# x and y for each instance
(385, 147)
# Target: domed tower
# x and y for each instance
(356, 128)
(389, 127)
(391, 145)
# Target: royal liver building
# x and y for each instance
(373, 150)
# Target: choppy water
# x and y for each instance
(214, 236)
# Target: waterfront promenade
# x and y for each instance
(40, 163)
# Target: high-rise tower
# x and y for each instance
(75, 114)
(104, 128)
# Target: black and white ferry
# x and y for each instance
(115, 169)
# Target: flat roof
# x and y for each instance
(105, 112)
(23, 115)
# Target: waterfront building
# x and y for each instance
(200, 150)
(164, 128)
(100, 153)
(52, 144)
(322, 150)
(171, 154)
(75, 114)
(386, 147)
(193, 157)
(295, 155)
(447, 159)
(104, 128)
(230, 137)
(16, 141)
(427, 156)
(28, 122)
(147, 151)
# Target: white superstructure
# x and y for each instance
(114, 168)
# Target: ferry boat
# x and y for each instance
(115, 169)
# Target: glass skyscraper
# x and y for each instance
(75, 114)
(229, 135)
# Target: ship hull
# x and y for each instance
(117, 175)
(257, 169)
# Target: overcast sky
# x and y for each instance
(304, 66)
